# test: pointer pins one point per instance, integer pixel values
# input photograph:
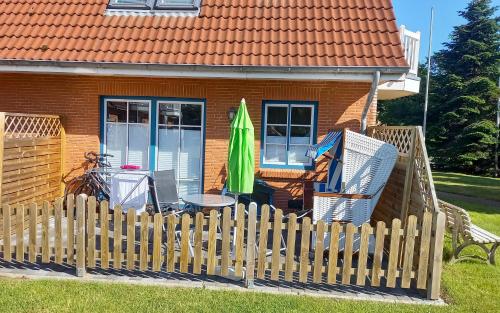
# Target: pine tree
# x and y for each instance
(467, 69)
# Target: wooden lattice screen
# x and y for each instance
(410, 189)
(31, 158)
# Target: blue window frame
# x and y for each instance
(288, 129)
(172, 130)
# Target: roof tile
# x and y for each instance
(226, 32)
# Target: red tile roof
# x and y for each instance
(281, 33)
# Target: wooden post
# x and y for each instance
(80, 235)
(251, 240)
(405, 204)
(63, 149)
(2, 139)
(436, 258)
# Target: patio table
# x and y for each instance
(208, 200)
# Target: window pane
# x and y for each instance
(169, 114)
(188, 187)
(138, 145)
(138, 112)
(191, 114)
(275, 153)
(174, 3)
(116, 143)
(116, 111)
(297, 154)
(301, 115)
(128, 2)
(277, 115)
(190, 157)
(276, 134)
(300, 135)
(168, 143)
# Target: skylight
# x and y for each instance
(155, 4)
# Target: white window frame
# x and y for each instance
(149, 5)
(289, 106)
(105, 139)
(202, 134)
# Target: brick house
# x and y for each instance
(153, 81)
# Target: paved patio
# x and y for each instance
(180, 280)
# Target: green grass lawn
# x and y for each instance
(471, 286)
(474, 186)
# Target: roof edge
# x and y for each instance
(357, 73)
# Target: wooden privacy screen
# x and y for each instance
(203, 244)
(410, 189)
(31, 158)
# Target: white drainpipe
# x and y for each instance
(369, 101)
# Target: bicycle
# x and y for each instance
(91, 182)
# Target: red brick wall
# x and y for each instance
(76, 99)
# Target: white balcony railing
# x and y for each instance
(411, 45)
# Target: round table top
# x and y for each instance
(209, 200)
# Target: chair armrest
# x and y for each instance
(342, 195)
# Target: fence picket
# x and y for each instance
(91, 232)
(393, 253)
(104, 212)
(131, 239)
(409, 248)
(379, 253)
(264, 227)
(333, 253)
(251, 239)
(304, 250)
(212, 243)
(185, 225)
(198, 237)
(348, 250)
(240, 234)
(171, 243)
(318, 252)
(7, 253)
(117, 236)
(290, 247)
(70, 218)
(157, 241)
(425, 240)
(80, 235)
(363, 254)
(20, 233)
(58, 236)
(144, 248)
(33, 212)
(45, 233)
(276, 255)
(226, 240)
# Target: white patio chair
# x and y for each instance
(366, 165)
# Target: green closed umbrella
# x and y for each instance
(241, 153)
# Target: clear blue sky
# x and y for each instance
(415, 15)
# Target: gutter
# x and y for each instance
(369, 101)
(202, 71)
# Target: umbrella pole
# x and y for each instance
(236, 195)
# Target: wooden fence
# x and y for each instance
(79, 236)
(31, 158)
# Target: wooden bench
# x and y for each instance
(465, 233)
